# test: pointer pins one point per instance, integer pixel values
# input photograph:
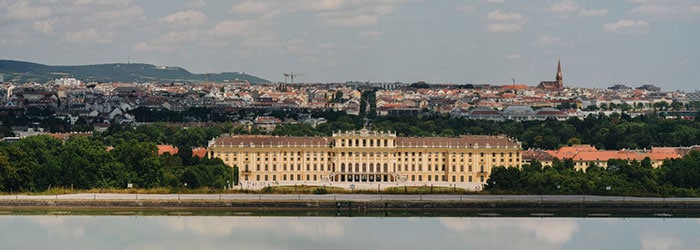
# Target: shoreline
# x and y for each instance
(322, 205)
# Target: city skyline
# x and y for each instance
(600, 43)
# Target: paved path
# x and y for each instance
(347, 197)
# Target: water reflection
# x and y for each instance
(551, 231)
(162, 232)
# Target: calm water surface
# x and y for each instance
(172, 232)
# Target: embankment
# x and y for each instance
(387, 208)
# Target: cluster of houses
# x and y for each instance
(103, 104)
(521, 102)
(109, 103)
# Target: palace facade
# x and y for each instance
(366, 156)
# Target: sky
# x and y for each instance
(599, 42)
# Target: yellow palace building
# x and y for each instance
(365, 156)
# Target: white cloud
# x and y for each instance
(177, 37)
(110, 18)
(593, 12)
(504, 21)
(552, 231)
(351, 21)
(308, 59)
(567, 7)
(44, 26)
(466, 8)
(103, 2)
(626, 26)
(514, 56)
(370, 34)
(196, 4)
(504, 27)
(69, 227)
(657, 242)
(90, 35)
(254, 7)
(662, 8)
(202, 226)
(233, 28)
(384, 9)
(657, 9)
(564, 7)
(23, 10)
(327, 45)
(347, 13)
(184, 18)
(149, 47)
(547, 40)
(262, 41)
(318, 5)
(359, 14)
(495, 1)
(499, 16)
(296, 46)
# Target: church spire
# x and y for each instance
(559, 78)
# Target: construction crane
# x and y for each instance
(291, 75)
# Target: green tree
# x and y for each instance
(81, 158)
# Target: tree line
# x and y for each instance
(677, 177)
(604, 132)
(112, 159)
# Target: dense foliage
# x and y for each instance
(604, 132)
(614, 132)
(112, 160)
(678, 177)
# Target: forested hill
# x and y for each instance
(21, 72)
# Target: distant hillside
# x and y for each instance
(18, 71)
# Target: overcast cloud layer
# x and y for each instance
(600, 42)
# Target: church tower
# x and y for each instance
(560, 78)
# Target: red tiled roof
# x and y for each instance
(162, 149)
(516, 86)
(199, 152)
(538, 155)
(590, 153)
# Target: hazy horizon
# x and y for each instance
(600, 43)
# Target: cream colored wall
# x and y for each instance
(419, 164)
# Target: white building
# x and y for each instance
(67, 82)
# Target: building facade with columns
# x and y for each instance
(366, 156)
